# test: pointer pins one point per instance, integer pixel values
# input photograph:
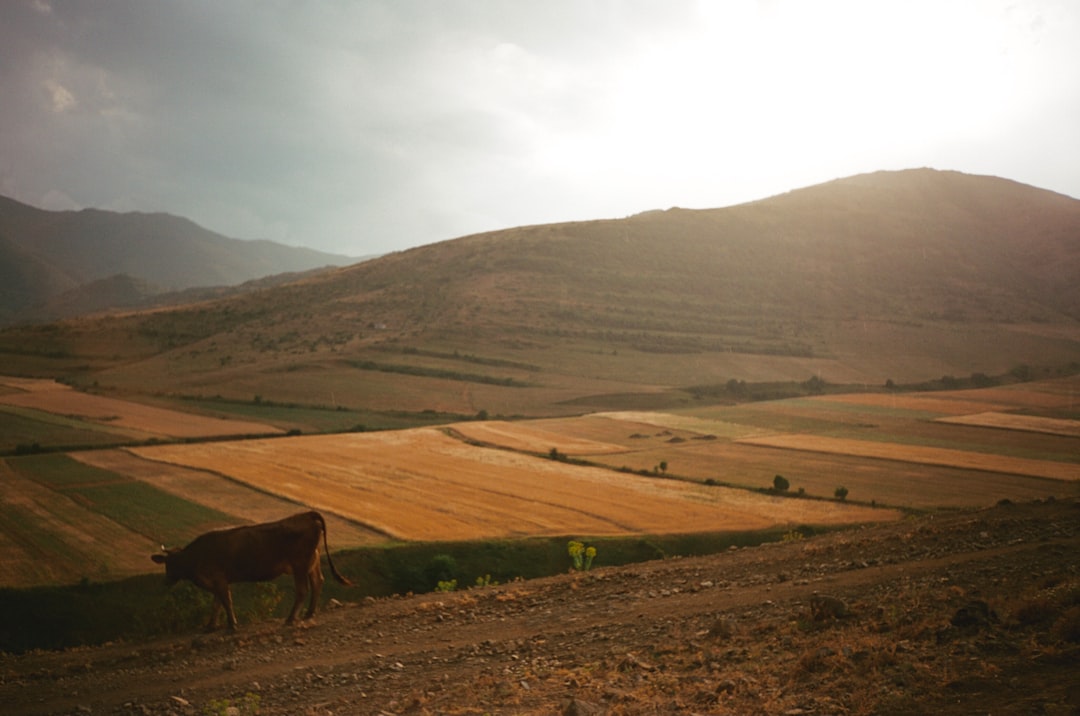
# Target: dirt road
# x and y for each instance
(966, 613)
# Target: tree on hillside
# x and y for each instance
(780, 483)
(815, 385)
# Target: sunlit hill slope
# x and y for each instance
(904, 276)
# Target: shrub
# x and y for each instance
(486, 581)
(442, 568)
(780, 483)
(247, 706)
(841, 493)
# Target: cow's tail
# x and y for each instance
(329, 559)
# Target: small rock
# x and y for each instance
(975, 614)
(727, 686)
(577, 707)
(823, 606)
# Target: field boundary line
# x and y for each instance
(264, 491)
(1020, 423)
(922, 455)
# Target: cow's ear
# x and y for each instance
(159, 558)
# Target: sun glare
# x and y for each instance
(808, 88)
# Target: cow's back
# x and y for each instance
(256, 553)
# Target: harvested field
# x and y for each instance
(922, 455)
(1023, 423)
(210, 490)
(135, 420)
(532, 437)
(929, 403)
(915, 462)
(425, 485)
(819, 474)
(688, 423)
(1047, 394)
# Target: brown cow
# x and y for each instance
(254, 553)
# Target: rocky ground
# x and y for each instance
(965, 613)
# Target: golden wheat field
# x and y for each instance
(208, 489)
(135, 419)
(423, 484)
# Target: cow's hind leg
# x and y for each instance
(300, 579)
(316, 580)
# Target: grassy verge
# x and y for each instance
(142, 607)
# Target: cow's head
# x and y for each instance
(165, 556)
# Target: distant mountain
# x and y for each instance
(908, 275)
(45, 254)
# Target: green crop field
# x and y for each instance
(64, 520)
(21, 429)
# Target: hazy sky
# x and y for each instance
(367, 126)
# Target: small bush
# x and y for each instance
(247, 706)
(442, 568)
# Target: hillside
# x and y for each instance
(969, 612)
(44, 254)
(905, 276)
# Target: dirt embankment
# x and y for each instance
(971, 612)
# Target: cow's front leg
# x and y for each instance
(211, 624)
(223, 598)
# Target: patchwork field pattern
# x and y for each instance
(97, 514)
(423, 484)
(921, 450)
(132, 420)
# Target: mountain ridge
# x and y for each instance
(904, 276)
(46, 254)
